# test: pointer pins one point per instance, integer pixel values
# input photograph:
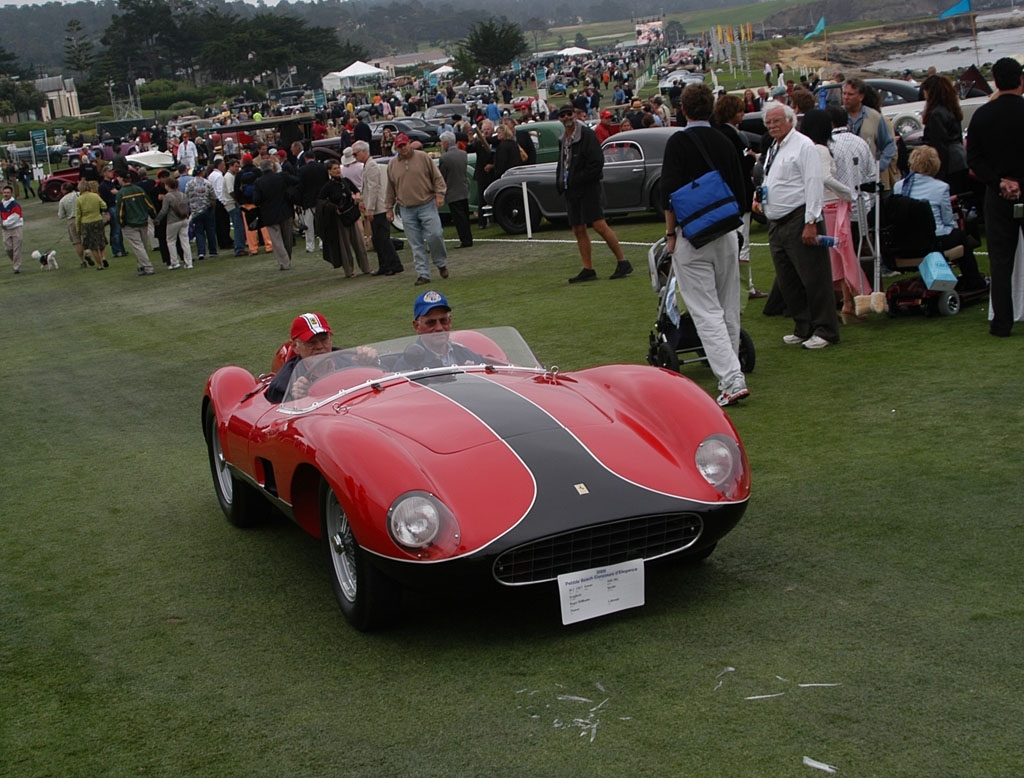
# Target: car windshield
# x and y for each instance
(324, 377)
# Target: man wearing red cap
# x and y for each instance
(603, 130)
(418, 189)
(311, 336)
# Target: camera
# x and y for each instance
(1018, 210)
(761, 194)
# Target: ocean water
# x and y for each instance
(959, 52)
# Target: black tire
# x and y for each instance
(655, 196)
(51, 193)
(510, 214)
(369, 600)
(663, 355)
(243, 505)
(747, 354)
(947, 304)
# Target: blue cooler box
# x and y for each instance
(937, 274)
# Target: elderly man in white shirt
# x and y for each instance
(793, 197)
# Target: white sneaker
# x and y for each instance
(733, 395)
(815, 342)
(793, 340)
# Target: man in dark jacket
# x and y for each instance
(276, 212)
(993, 135)
(578, 177)
(312, 177)
(453, 164)
(708, 274)
(311, 336)
(481, 145)
(244, 191)
(432, 320)
(362, 131)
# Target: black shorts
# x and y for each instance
(586, 209)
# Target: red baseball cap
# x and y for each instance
(607, 114)
(401, 140)
(246, 159)
(308, 325)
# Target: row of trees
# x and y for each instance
(182, 41)
(199, 42)
(18, 93)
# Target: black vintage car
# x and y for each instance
(632, 176)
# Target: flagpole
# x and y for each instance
(974, 34)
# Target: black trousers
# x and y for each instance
(1003, 232)
(968, 265)
(804, 274)
(223, 224)
(460, 218)
(380, 236)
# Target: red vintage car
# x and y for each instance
(50, 187)
(498, 471)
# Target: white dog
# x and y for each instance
(47, 260)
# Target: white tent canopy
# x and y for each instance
(573, 51)
(444, 70)
(349, 76)
(359, 69)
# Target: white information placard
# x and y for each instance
(601, 590)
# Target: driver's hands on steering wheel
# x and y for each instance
(300, 387)
(365, 355)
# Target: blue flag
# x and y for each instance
(821, 27)
(963, 7)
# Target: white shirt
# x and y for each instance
(227, 192)
(187, 154)
(354, 173)
(794, 178)
(216, 179)
(855, 163)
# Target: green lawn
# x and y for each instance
(141, 635)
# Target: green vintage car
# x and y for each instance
(545, 137)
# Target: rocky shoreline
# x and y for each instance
(851, 51)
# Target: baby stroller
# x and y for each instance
(674, 341)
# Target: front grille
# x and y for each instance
(646, 537)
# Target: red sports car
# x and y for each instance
(495, 470)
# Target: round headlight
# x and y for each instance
(719, 460)
(414, 520)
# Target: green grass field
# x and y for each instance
(141, 635)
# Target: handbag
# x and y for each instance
(706, 207)
(349, 215)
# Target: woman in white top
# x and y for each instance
(847, 274)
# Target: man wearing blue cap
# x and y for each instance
(432, 321)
